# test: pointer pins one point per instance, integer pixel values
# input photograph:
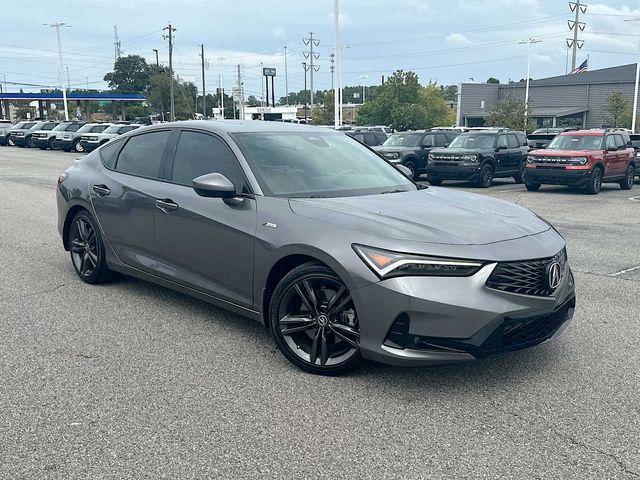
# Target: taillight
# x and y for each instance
(62, 178)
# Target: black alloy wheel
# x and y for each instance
(519, 177)
(595, 181)
(485, 177)
(87, 250)
(411, 166)
(629, 177)
(314, 322)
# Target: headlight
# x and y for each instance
(469, 158)
(579, 160)
(431, 156)
(531, 159)
(386, 264)
(392, 155)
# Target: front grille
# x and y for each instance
(515, 334)
(527, 277)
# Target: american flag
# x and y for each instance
(582, 68)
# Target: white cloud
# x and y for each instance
(457, 39)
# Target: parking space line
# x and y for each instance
(622, 272)
(513, 190)
(635, 199)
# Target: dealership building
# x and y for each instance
(565, 101)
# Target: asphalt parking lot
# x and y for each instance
(131, 380)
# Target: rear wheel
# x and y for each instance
(435, 181)
(629, 177)
(314, 322)
(595, 181)
(519, 177)
(485, 178)
(87, 250)
(533, 187)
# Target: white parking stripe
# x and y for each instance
(622, 272)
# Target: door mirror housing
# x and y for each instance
(403, 170)
(214, 185)
(501, 147)
(612, 149)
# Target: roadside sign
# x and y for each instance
(269, 72)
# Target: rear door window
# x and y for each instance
(429, 141)
(611, 141)
(512, 141)
(503, 142)
(109, 154)
(619, 141)
(142, 155)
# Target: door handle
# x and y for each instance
(167, 205)
(101, 190)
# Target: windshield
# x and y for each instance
(546, 131)
(18, 125)
(473, 141)
(26, 126)
(404, 140)
(99, 128)
(576, 142)
(312, 164)
(49, 126)
(113, 129)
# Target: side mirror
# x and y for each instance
(427, 146)
(502, 147)
(446, 145)
(612, 149)
(214, 185)
(404, 170)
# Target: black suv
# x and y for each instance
(370, 138)
(412, 148)
(480, 157)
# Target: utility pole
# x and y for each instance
(306, 69)
(635, 89)
(57, 26)
(530, 41)
(286, 76)
(157, 61)
(116, 44)
(332, 59)
(172, 108)
(311, 56)
(574, 26)
(262, 86)
(221, 85)
(337, 52)
(68, 81)
(204, 91)
(158, 69)
(240, 96)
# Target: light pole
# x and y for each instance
(530, 41)
(337, 51)
(342, 47)
(635, 90)
(57, 26)
(364, 83)
(286, 76)
(221, 89)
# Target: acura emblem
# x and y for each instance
(553, 275)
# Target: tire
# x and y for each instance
(485, 177)
(435, 181)
(629, 177)
(410, 164)
(533, 187)
(50, 144)
(312, 300)
(77, 147)
(595, 181)
(11, 143)
(29, 143)
(519, 178)
(86, 249)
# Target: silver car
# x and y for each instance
(312, 234)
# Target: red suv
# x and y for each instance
(583, 158)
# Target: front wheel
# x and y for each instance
(435, 181)
(595, 182)
(313, 320)
(533, 187)
(50, 144)
(485, 178)
(78, 148)
(412, 166)
(87, 250)
(629, 177)
(519, 177)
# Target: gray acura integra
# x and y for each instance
(313, 234)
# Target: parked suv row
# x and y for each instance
(584, 159)
(480, 157)
(45, 138)
(412, 148)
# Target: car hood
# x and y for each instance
(456, 151)
(433, 215)
(563, 153)
(382, 148)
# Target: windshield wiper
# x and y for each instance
(393, 191)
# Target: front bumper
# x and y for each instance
(558, 175)
(40, 142)
(18, 141)
(89, 146)
(454, 170)
(62, 144)
(418, 321)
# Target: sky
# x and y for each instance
(447, 42)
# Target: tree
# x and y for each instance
(158, 95)
(493, 80)
(405, 104)
(130, 75)
(449, 92)
(323, 114)
(252, 101)
(509, 113)
(617, 107)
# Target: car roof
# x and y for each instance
(244, 126)
(595, 132)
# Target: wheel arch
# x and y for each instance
(490, 160)
(71, 213)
